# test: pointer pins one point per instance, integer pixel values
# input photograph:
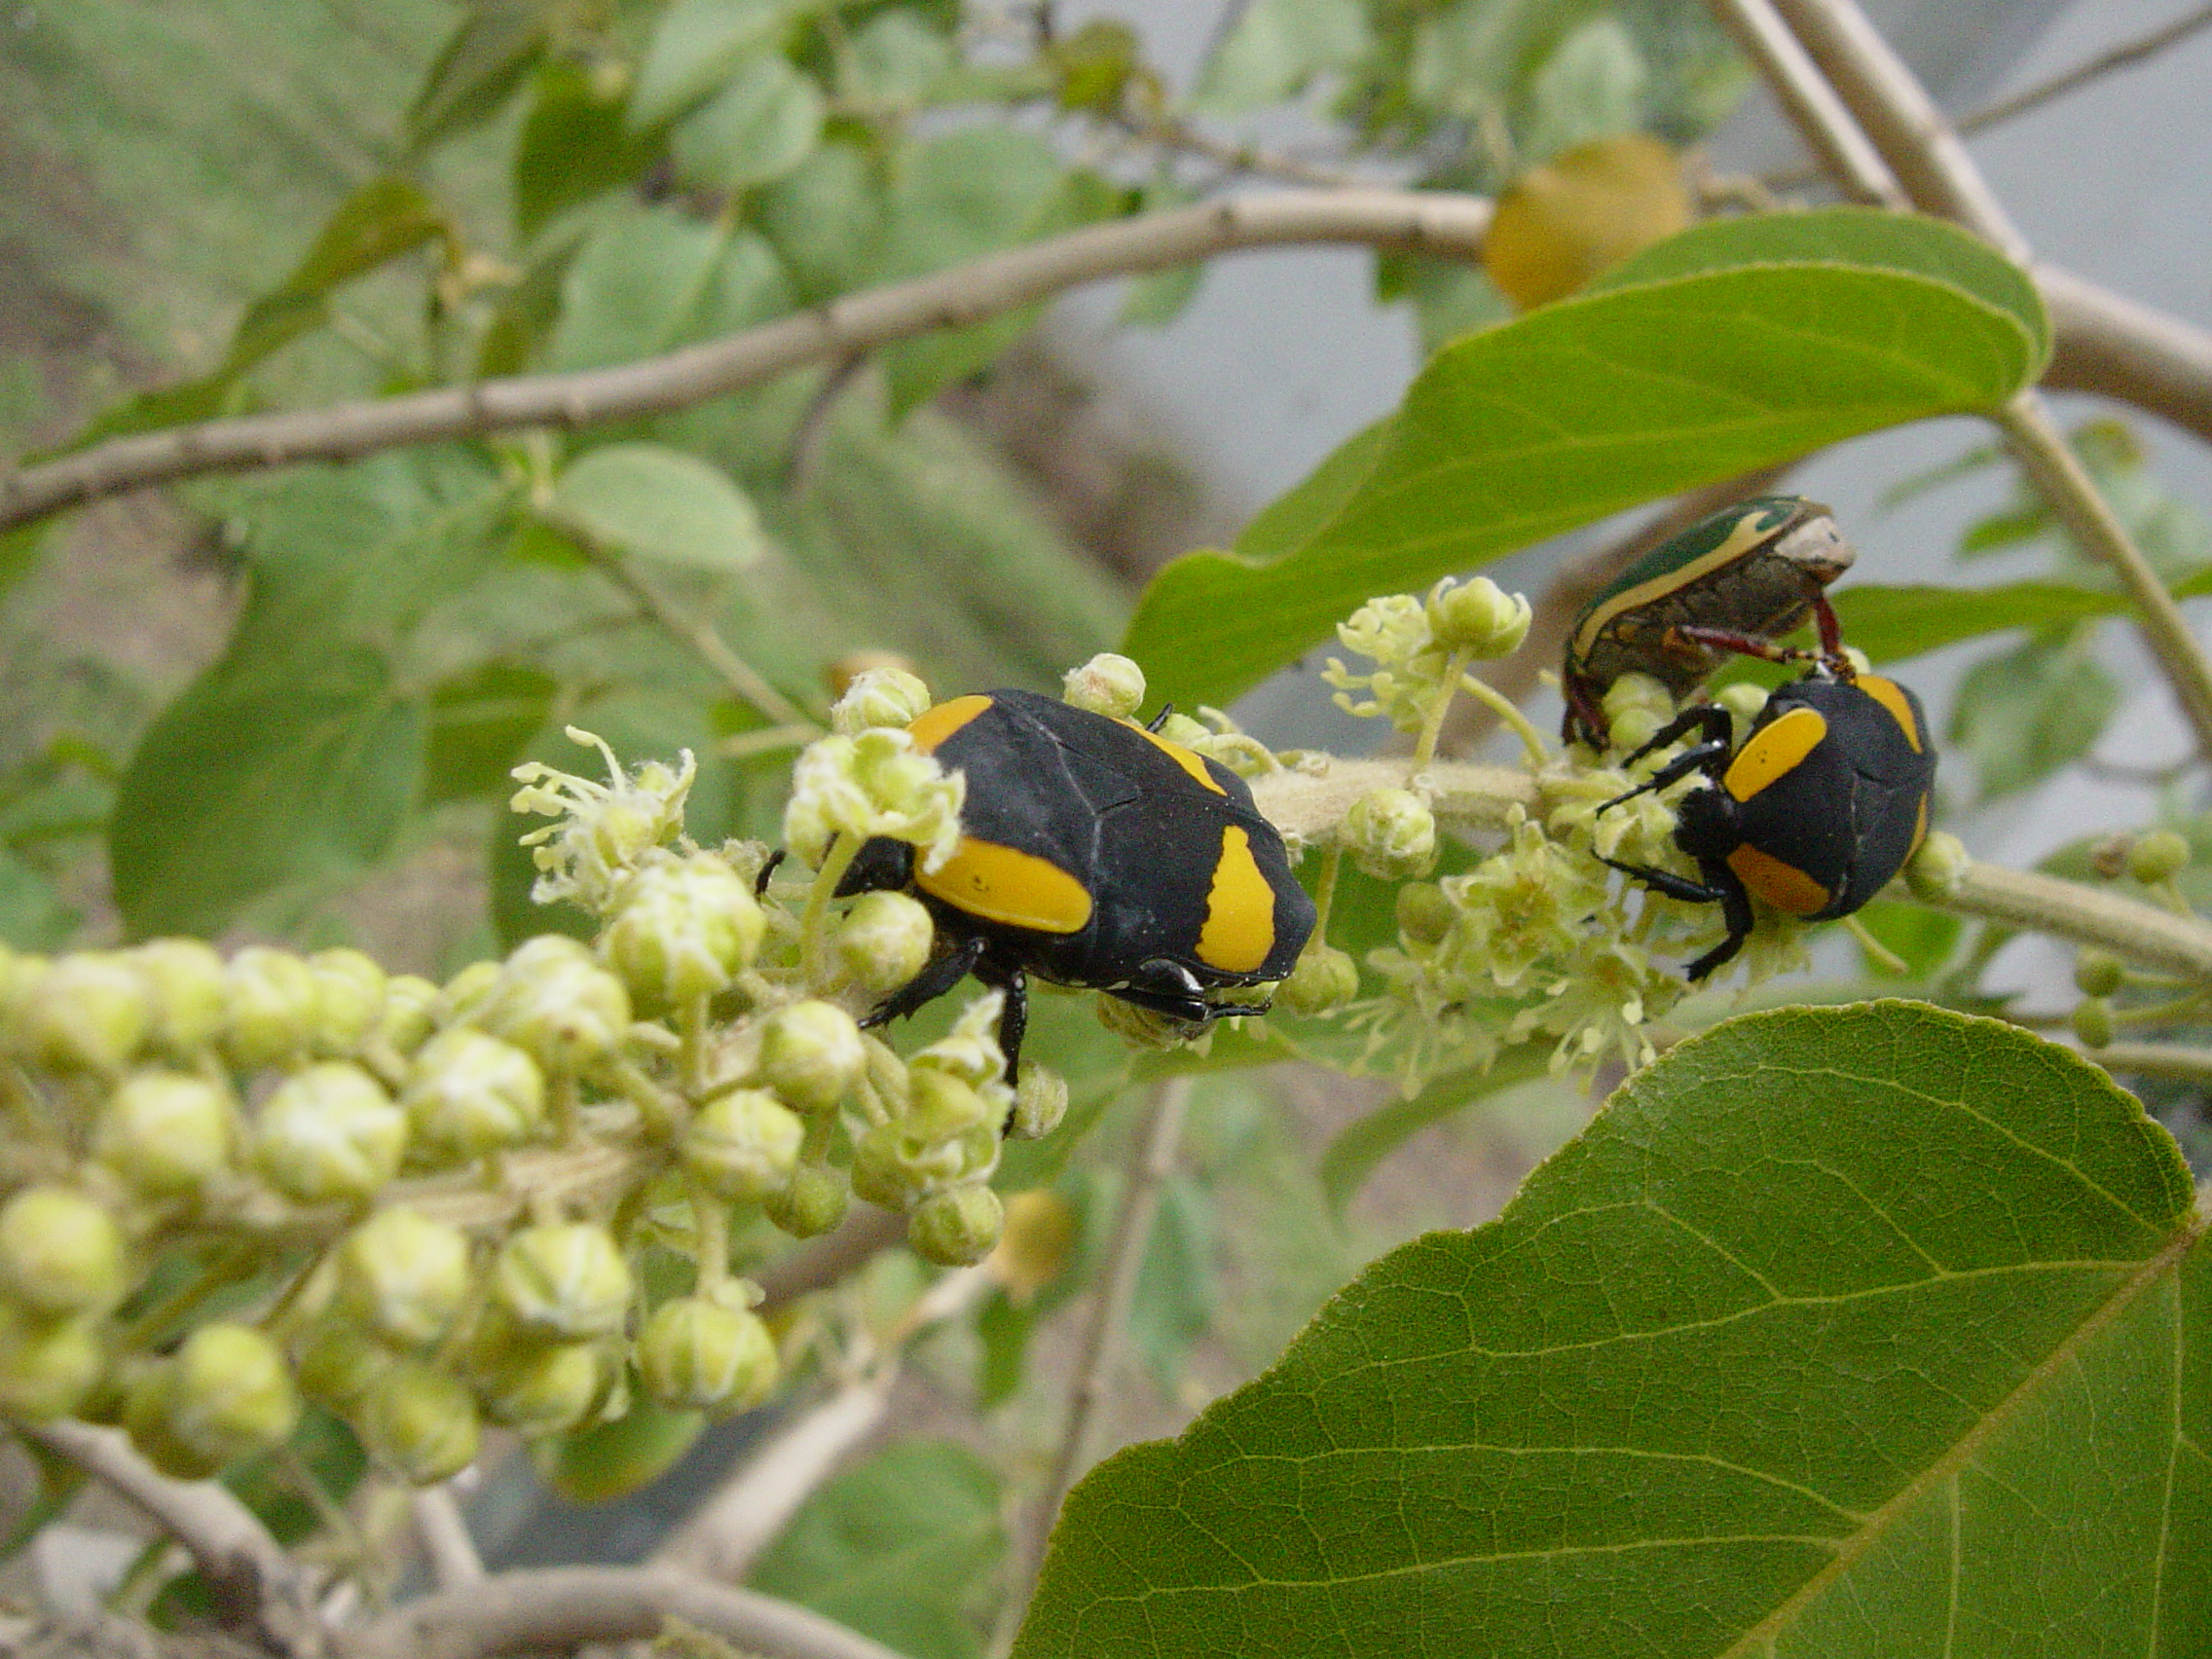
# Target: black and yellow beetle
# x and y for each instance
(1092, 853)
(1824, 802)
(1736, 581)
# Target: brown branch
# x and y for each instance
(865, 1233)
(567, 1606)
(2088, 915)
(1413, 221)
(1931, 162)
(1809, 102)
(258, 1588)
(443, 1533)
(2124, 56)
(2120, 349)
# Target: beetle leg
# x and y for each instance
(1159, 720)
(1743, 645)
(1710, 721)
(1831, 640)
(938, 977)
(1672, 885)
(1735, 908)
(1014, 1018)
(1584, 719)
(1172, 990)
(761, 881)
(1708, 754)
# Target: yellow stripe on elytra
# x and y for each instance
(1241, 910)
(1742, 536)
(1183, 758)
(1004, 884)
(1787, 888)
(941, 722)
(1774, 750)
(1890, 695)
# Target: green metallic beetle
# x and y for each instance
(1822, 805)
(1093, 853)
(1734, 582)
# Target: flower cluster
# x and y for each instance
(422, 1206)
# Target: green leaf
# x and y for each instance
(1276, 47)
(658, 504)
(1870, 1330)
(479, 726)
(652, 279)
(757, 128)
(33, 915)
(482, 62)
(1888, 623)
(1923, 939)
(1365, 1142)
(612, 1459)
(1593, 86)
(1174, 1298)
(379, 222)
(898, 60)
(1733, 346)
(574, 148)
(697, 44)
(906, 1549)
(826, 221)
(252, 780)
(2024, 713)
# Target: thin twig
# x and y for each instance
(1413, 221)
(2154, 1059)
(698, 636)
(568, 1607)
(2127, 54)
(2119, 347)
(258, 1588)
(1810, 103)
(443, 1535)
(1254, 160)
(811, 436)
(1151, 1159)
(1940, 177)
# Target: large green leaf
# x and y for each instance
(1874, 1330)
(655, 277)
(1732, 347)
(695, 44)
(483, 61)
(905, 1548)
(757, 128)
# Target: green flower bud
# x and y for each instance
(553, 1000)
(895, 1164)
(465, 994)
(1391, 833)
(2158, 857)
(468, 1094)
(685, 929)
(330, 1133)
(1182, 728)
(419, 1421)
(336, 1362)
(1324, 980)
(164, 1133)
(185, 978)
(537, 1389)
(271, 1007)
(1424, 914)
(1936, 872)
(942, 1106)
(1039, 1104)
(349, 992)
(966, 1055)
(405, 1276)
(1636, 706)
(815, 1201)
(2092, 1022)
(229, 1393)
(410, 1013)
(91, 1012)
(1743, 702)
(563, 1279)
(2097, 973)
(61, 1253)
(884, 941)
(743, 1145)
(47, 1366)
(958, 1227)
(1477, 616)
(811, 1055)
(1141, 1027)
(1107, 684)
(695, 1354)
(879, 697)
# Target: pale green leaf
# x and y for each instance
(1592, 87)
(653, 279)
(1731, 347)
(658, 504)
(1276, 47)
(697, 43)
(482, 62)
(903, 1548)
(1852, 1332)
(2025, 713)
(757, 128)
(573, 147)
